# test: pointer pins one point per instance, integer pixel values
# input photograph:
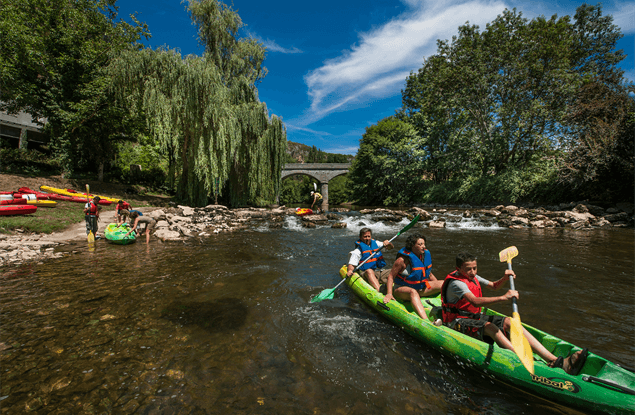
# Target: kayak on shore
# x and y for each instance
(104, 200)
(11, 210)
(601, 385)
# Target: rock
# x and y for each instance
(333, 216)
(467, 214)
(581, 209)
(339, 225)
(167, 235)
(491, 212)
(626, 207)
(157, 214)
(617, 217)
(511, 209)
(423, 214)
(436, 224)
(308, 224)
(187, 211)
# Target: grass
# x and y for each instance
(45, 220)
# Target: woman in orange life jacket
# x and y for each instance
(91, 215)
(462, 299)
(412, 276)
(364, 248)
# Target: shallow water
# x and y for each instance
(224, 324)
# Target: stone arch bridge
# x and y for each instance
(322, 172)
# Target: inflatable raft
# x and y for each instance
(303, 211)
(600, 386)
(117, 234)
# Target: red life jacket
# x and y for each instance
(462, 308)
(92, 208)
(124, 205)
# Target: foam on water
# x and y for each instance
(355, 223)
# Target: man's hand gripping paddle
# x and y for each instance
(517, 337)
(329, 293)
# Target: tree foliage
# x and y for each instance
(389, 165)
(205, 113)
(52, 60)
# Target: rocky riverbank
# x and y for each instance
(182, 222)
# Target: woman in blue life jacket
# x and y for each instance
(411, 275)
(364, 248)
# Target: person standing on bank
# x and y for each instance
(91, 215)
(412, 276)
(136, 220)
(364, 248)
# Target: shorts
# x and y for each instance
(397, 282)
(150, 225)
(475, 328)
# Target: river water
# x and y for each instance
(224, 324)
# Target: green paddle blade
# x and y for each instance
(327, 294)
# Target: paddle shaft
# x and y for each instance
(511, 285)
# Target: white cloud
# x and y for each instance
(623, 16)
(272, 46)
(378, 65)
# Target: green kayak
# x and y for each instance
(117, 234)
(600, 386)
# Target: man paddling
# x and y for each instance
(364, 248)
(462, 299)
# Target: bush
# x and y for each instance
(32, 162)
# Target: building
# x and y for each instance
(19, 131)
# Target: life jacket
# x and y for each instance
(124, 205)
(319, 196)
(462, 308)
(377, 261)
(419, 270)
(92, 208)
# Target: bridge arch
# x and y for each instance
(322, 172)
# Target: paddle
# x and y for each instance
(517, 337)
(90, 237)
(329, 293)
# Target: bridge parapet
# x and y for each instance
(322, 172)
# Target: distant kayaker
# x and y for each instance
(136, 219)
(317, 201)
(91, 215)
(364, 248)
(462, 299)
(123, 210)
(411, 275)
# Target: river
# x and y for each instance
(224, 324)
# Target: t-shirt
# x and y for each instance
(457, 289)
(356, 255)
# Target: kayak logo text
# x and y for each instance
(556, 383)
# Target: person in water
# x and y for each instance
(317, 201)
(123, 210)
(462, 299)
(364, 248)
(137, 219)
(91, 215)
(411, 275)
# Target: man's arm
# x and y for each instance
(496, 285)
(353, 261)
(483, 301)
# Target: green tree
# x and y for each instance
(52, 60)
(389, 165)
(495, 100)
(205, 112)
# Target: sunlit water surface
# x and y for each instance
(224, 324)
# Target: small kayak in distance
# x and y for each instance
(117, 234)
(10, 210)
(601, 385)
(303, 211)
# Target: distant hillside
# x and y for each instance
(301, 153)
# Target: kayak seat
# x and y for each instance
(556, 346)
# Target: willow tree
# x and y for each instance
(205, 111)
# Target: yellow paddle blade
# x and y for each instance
(507, 254)
(91, 237)
(521, 344)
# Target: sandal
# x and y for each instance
(557, 363)
(576, 366)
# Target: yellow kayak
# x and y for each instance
(42, 203)
(67, 192)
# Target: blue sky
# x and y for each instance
(337, 67)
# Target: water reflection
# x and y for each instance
(224, 324)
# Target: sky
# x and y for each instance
(337, 67)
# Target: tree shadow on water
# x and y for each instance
(214, 316)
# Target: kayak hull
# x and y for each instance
(77, 196)
(12, 210)
(117, 234)
(303, 211)
(600, 386)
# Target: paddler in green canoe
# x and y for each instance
(364, 248)
(462, 299)
(411, 275)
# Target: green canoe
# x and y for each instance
(600, 386)
(117, 234)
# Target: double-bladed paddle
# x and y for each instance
(517, 337)
(329, 293)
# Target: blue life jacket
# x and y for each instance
(419, 270)
(377, 261)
